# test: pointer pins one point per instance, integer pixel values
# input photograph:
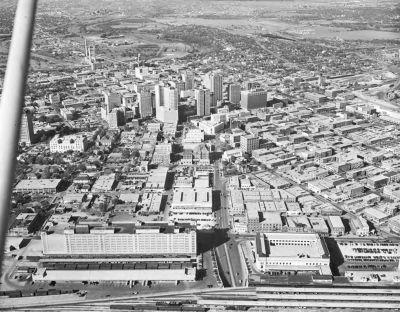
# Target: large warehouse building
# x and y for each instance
(292, 252)
(157, 252)
(194, 206)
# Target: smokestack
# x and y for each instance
(86, 50)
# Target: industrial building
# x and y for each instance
(277, 253)
(38, 186)
(127, 252)
(194, 206)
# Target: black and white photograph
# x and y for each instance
(200, 155)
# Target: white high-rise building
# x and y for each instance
(202, 97)
(171, 98)
(166, 99)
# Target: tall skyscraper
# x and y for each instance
(188, 79)
(234, 93)
(166, 99)
(214, 82)
(26, 134)
(171, 98)
(112, 100)
(202, 97)
(179, 85)
(159, 95)
(144, 101)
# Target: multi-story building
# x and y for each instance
(26, 133)
(26, 223)
(336, 225)
(166, 101)
(202, 97)
(194, 136)
(363, 258)
(360, 226)
(179, 86)
(253, 99)
(194, 206)
(248, 143)
(147, 252)
(159, 95)
(162, 154)
(144, 101)
(151, 239)
(271, 222)
(61, 144)
(116, 118)
(171, 97)
(291, 252)
(112, 99)
(214, 83)
(38, 186)
(188, 79)
(234, 93)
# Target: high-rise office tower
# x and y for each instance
(213, 82)
(188, 79)
(253, 99)
(26, 134)
(234, 93)
(159, 95)
(144, 101)
(166, 99)
(202, 97)
(112, 100)
(171, 98)
(179, 85)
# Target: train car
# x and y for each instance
(13, 293)
(41, 292)
(54, 292)
(27, 293)
(121, 307)
(198, 309)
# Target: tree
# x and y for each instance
(42, 118)
(82, 167)
(126, 153)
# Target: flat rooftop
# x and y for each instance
(192, 196)
(37, 184)
(293, 245)
(361, 250)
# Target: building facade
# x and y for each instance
(61, 144)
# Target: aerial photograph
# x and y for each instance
(200, 155)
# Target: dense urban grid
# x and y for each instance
(212, 168)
